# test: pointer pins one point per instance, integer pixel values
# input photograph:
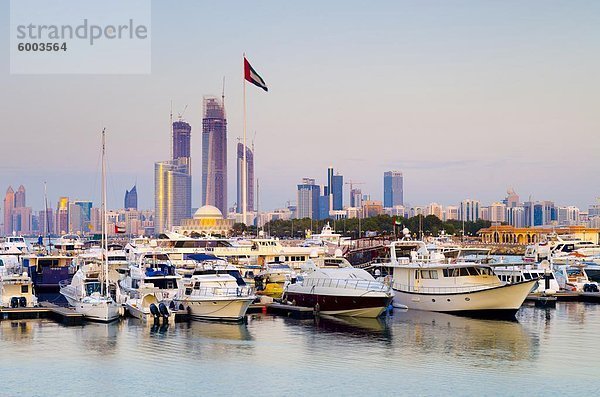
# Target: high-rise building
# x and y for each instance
(85, 215)
(21, 220)
(62, 216)
(469, 210)
(308, 199)
(214, 154)
(515, 216)
(9, 205)
(434, 209)
(355, 198)
(451, 213)
(20, 197)
(46, 222)
(337, 189)
(497, 212)
(512, 198)
(393, 190)
(182, 133)
(249, 178)
(372, 208)
(131, 201)
(172, 194)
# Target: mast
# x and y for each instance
(104, 215)
(46, 215)
(244, 164)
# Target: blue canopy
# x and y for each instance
(202, 257)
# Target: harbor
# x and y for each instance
(275, 355)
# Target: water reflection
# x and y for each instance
(17, 330)
(98, 337)
(480, 341)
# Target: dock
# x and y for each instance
(568, 296)
(297, 312)
(63, 315)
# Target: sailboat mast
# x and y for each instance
(104, 215)
(46, 220)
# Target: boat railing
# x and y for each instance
(445, 289)
(219, 291)
(367, 285)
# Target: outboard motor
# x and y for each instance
(23, 301)
(14, 302)
(163, 310)
(154, 310)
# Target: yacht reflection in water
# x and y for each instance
(17, 330)
(216, 330)
(361, 327)
(99, 338)
(479, 341)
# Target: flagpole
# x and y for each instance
(244, 164)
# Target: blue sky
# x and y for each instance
(467, 98)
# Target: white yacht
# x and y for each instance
(14, 243)
(344, 291)
(148, 288)
(517, 273)
(16, 287)
(87, 294)
(575, 278)
(88, 291)
(425, 282)
(214, 297)
(69, 244)
(329, 237)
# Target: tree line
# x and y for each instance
(429, 225)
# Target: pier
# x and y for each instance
(63, 315)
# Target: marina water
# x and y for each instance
(547, 351)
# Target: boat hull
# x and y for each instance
(368, 305)
(497, 302)
(215, 309)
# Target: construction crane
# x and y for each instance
(180, 115)
(352, 183)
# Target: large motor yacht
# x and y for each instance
(423, 281)
(13, 243)
(345, 291)
(214, 297)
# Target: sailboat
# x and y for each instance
(88, 291)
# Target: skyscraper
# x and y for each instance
(182, 132)
(250, 178)
(214, 154)
(337, 189)
(131, 198)
(62, 216)
(308, 199)
(393, 190)
(85, 215)
(9, 205)
(469, 210)
(172, 194)
(356, 198)
(20, 197)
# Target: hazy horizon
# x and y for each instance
(466, 98)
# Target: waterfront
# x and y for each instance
(546, 352)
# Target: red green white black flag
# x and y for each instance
(253, 77)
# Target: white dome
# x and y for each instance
(208, 211)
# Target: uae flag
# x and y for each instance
(120, 229)
(253, 77)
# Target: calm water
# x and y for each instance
(551, 351)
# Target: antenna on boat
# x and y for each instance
(104, 214)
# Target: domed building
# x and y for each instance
(207, 220)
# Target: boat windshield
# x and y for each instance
(468, 271)
(92, 287)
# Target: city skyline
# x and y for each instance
(482, 99)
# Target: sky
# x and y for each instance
(467, 98)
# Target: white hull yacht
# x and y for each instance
(214, 297)
(85, 294)
(427, 282)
